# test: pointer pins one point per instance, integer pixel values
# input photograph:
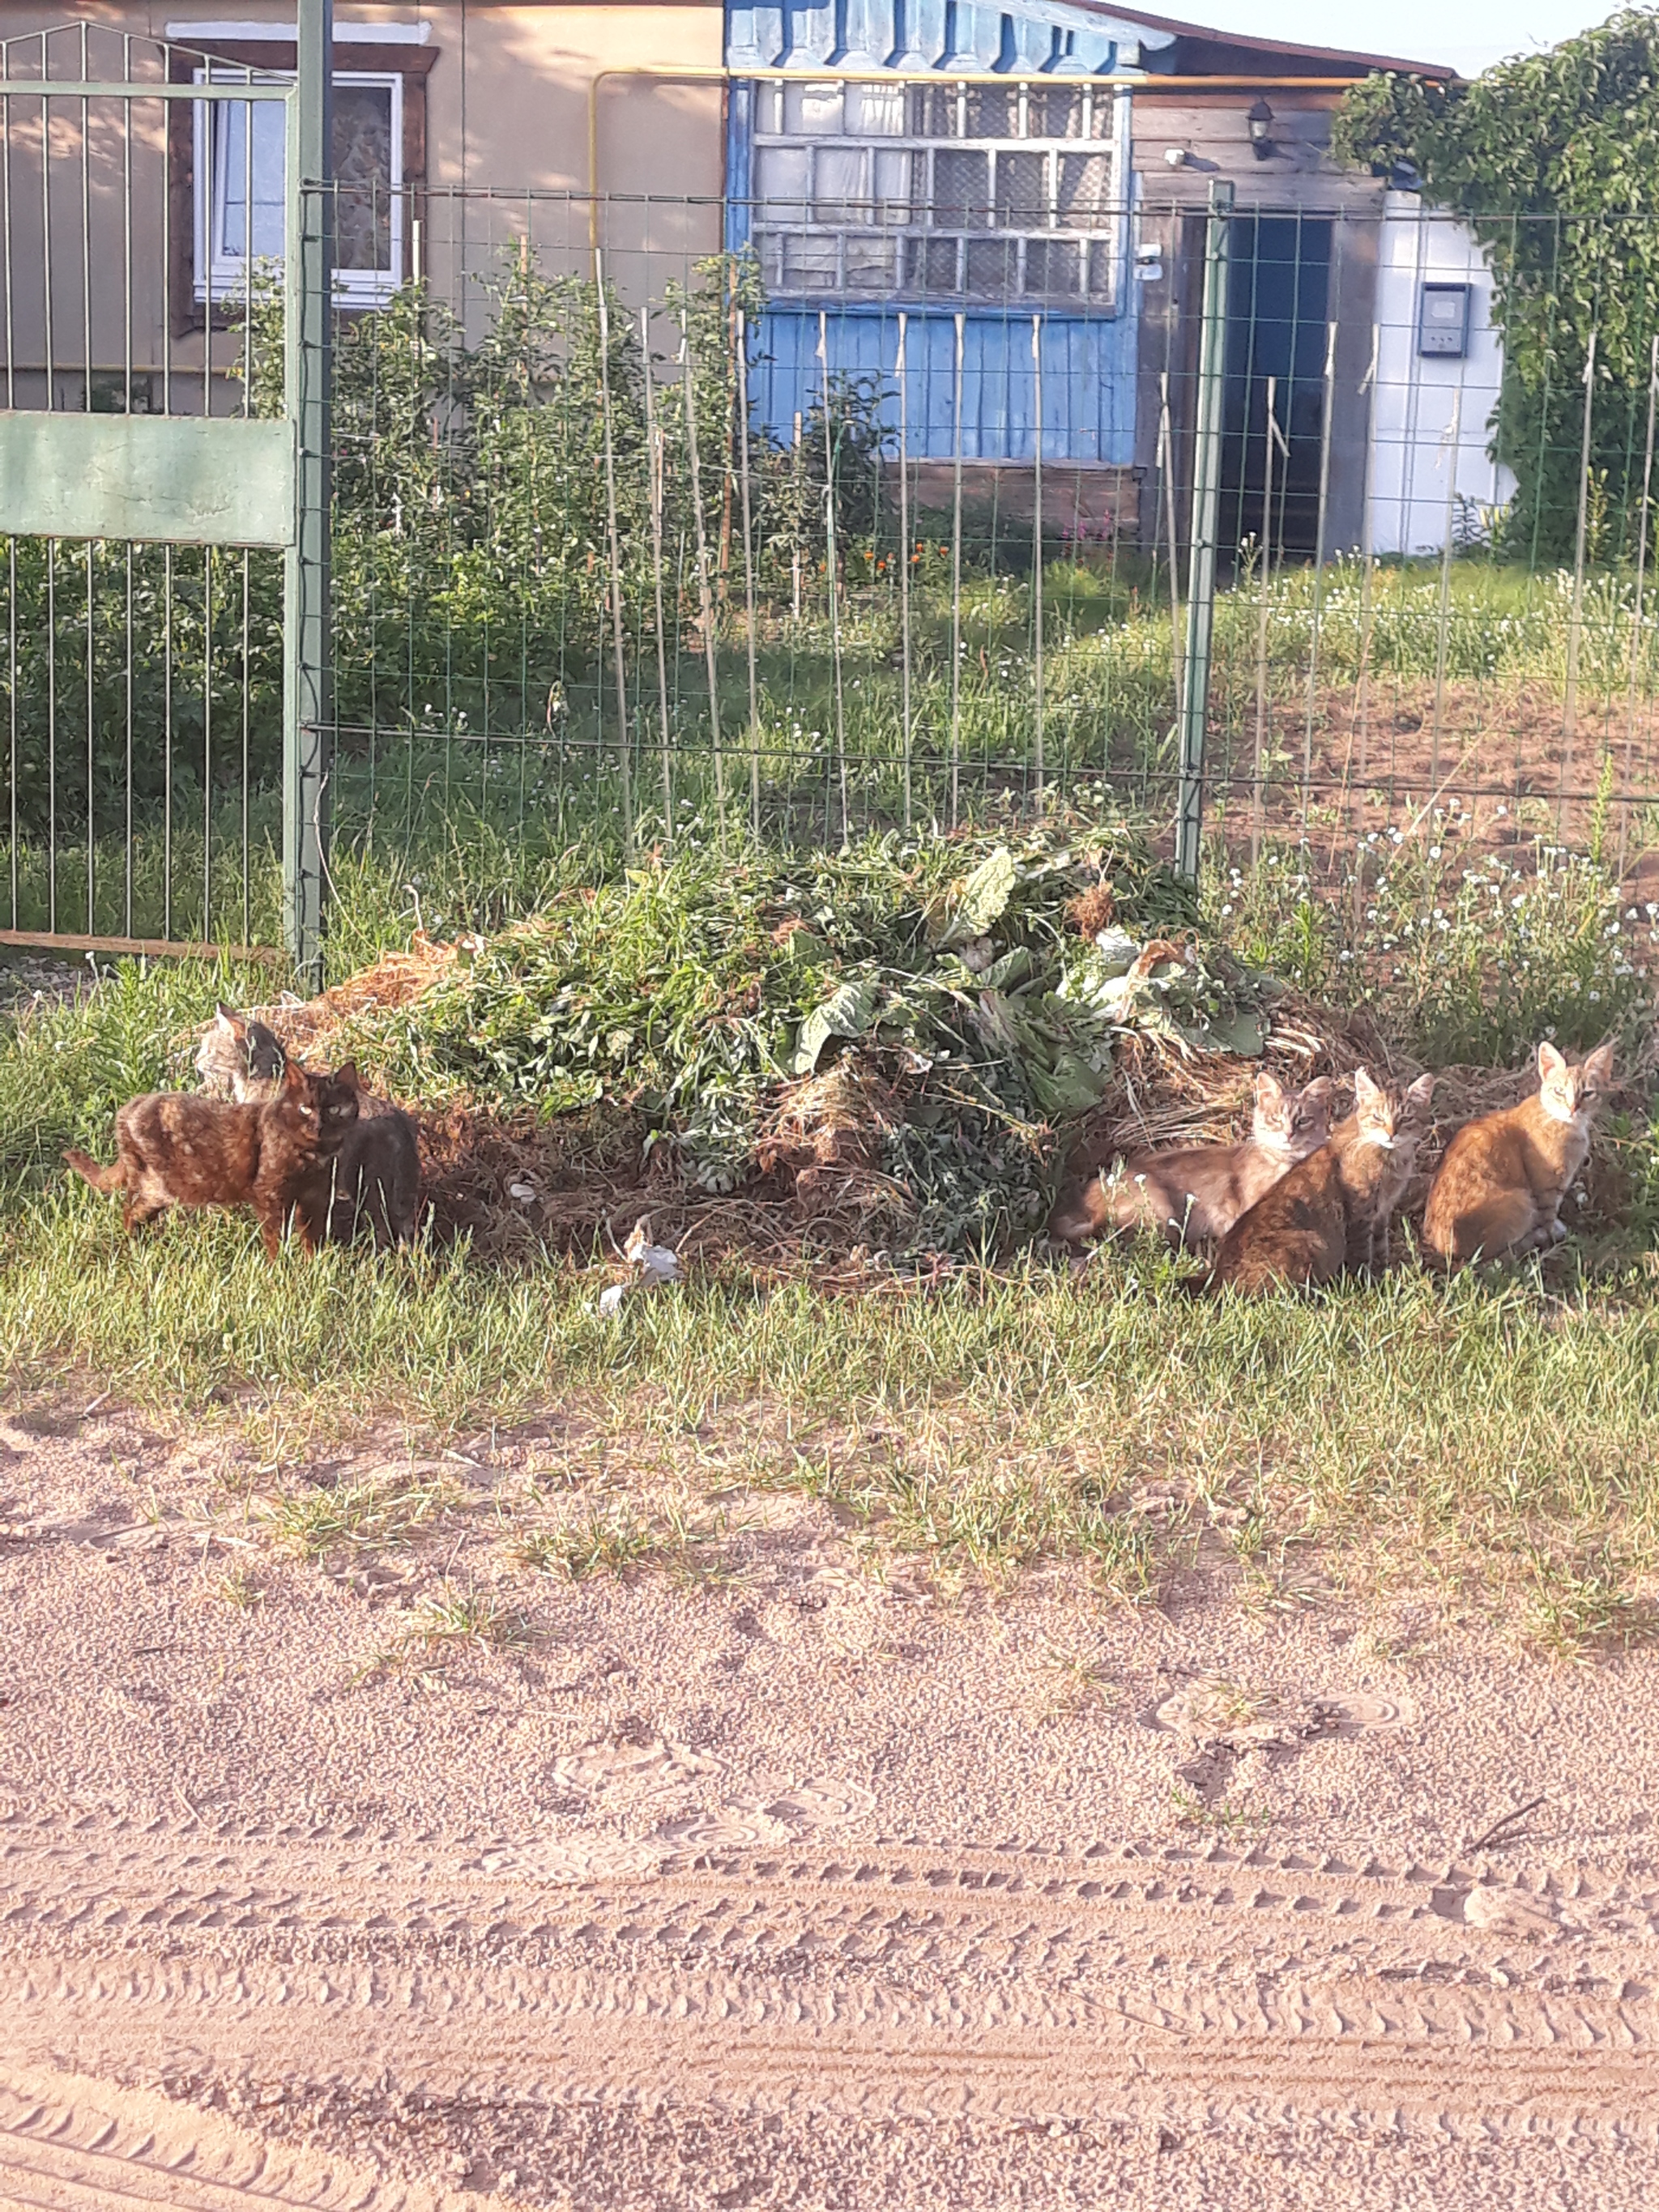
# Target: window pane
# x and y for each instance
(1100, 270)
(933, 111)
(809, 265)
(362, 162)
(837, 181)
(269, 181)
(1053, 113)
(1086, 189)
(872, 263)
(875, 110)
(893, 187)
(780, 178)
(813, 108)
(937, 271)
(1054, 267)
(961, 190)
(1023, 191)
(993, 268)
(992, 112)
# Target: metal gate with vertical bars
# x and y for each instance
(152, 503)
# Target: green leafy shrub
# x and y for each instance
(1553, 158)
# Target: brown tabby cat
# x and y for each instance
(1328, 1210)
(1500, 1185)
(376, 1175)
(1196, 1194)
(176, 1148)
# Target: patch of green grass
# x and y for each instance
(445, 1623)
(243, 1588)
(1494, 1429)
(621, 1541)
(369, 1515)
(1460, 956)
(1189, 1810)
(612, 1542)
(1415, 1427)
(1584, 1602)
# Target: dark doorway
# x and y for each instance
(1278, 290)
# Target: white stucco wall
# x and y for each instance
(1415, 462)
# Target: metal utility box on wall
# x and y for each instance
(1442, 321)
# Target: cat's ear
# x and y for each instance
(294, 1079)
(230, 1021)
(1421, 1092)
(1597, 1070)
(1269, 1091)
(348, 1075)
(1366, 1091)
(1550, 1062)
(1319, 1088)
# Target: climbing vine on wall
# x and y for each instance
(1553, 160)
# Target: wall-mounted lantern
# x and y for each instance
(1261, 120)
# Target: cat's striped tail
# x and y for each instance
(111, 1178)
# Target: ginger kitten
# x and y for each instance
(1331, 1209)
(1196, 1194)
(177, 1148)
(1500, 1185)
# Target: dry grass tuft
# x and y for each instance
(1092, 910)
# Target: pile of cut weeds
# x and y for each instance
(884, 1054)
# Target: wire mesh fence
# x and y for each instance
(869, 508)
(618, 528)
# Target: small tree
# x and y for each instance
(1553, 161)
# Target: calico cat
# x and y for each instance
(1328, 1212)
(1500, 1185)
(239, 1057)
(374, 1177)
(1196, 1194)
(176, 1148)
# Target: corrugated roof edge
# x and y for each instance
(1339, 60)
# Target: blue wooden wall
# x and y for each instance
(1088, 360)
(1088, 378)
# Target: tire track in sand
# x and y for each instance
(71, 2145)
(829, 1976)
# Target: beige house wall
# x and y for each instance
(527, 109)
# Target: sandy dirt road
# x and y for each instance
(805, 1888)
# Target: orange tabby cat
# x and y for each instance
(1330, 1209)
(1196, 1192)
(1500, 1185)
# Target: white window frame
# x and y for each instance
(774, 222)
(222, 276)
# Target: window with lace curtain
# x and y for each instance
(998, 195)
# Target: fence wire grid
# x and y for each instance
(633, 526)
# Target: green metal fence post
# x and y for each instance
(308, 689)
(1206, 515)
